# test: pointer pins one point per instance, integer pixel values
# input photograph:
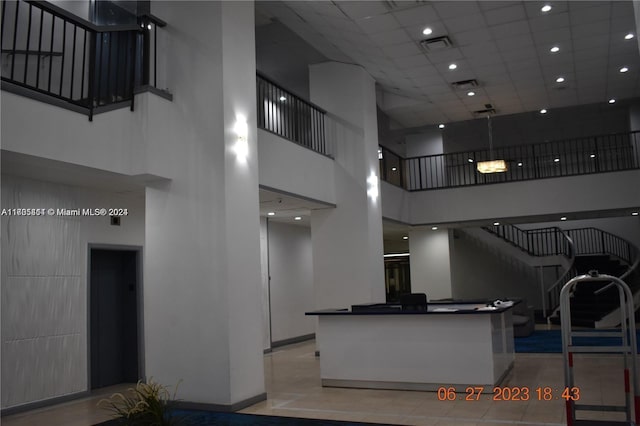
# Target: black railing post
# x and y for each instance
(92, 73)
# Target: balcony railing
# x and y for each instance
(85, 67)
(287, 115)
(596, 154)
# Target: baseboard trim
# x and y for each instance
(43, 403)
(227, 408)
(292, 340)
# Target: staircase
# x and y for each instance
(587, 305)
(590, 249)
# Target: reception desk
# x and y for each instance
(380, 346)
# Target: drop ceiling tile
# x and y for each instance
(533, 9)
(601, 44)
(546, 23)
(401, 50)
(510, 29)
(479, 50)
(524, 41)
(505, 14)
(416, 17)
(472, 37)
(444, 55)
(598, 28)
(390, 38)
(359, 10)
(378, 24)
(587, 12)
(428, 71)
(451, 9)
(464, 23)
(327, 9)
(411, 61)
(490, 5)
(553, 36)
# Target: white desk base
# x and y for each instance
(415, 352)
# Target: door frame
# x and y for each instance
(139, 305)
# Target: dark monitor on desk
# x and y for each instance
(414, 302)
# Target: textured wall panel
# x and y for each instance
(42, 368)
(43, 246)
(42, 306)
(44, 344)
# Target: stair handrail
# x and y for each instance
(552, 301)
(606, 239)
(548, 241)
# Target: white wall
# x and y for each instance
(395, 202)
(203, 314)
(291, 288)
(280, 160)
(44, 284)
(526, 198)
(347, 242)
(430, 263)
(533, 127)
(481, 271)
(427, 142)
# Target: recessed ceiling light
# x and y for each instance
(496, 223)
(560, 80)
(519, 164)
(563, 218)
(393, 169)
(427, 31)
(554, 49)
(543, 111)
(405, 237)
(471, 93)
(592, 156)
(441, 126)
(149, 26)
(470, 160)
(282, 98)
(556, 160)
(546, 8)
(452, 66)
(271, 214)
(624, 69)
(629, 36)
(612, 101)
(434, 228)
(297, 218)
(634, 214)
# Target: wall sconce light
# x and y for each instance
(374, 189)
(241, 145)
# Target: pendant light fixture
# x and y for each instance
(491, 166)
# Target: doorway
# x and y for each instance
(114, 327)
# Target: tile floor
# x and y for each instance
(292, 378)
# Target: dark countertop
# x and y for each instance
(433, 308)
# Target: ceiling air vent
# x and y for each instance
(484, 112)
(436, 43)
(465, 84)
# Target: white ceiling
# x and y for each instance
(504, 45)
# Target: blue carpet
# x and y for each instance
(550, 341)
(206, 418)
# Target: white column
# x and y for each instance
(430, 263)
(202, 285)
(348, 263)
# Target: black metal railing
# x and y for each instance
(288, 115)
(55, 53)
(596, 154)
(536, 242)
(551, 241)
(595, 241)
